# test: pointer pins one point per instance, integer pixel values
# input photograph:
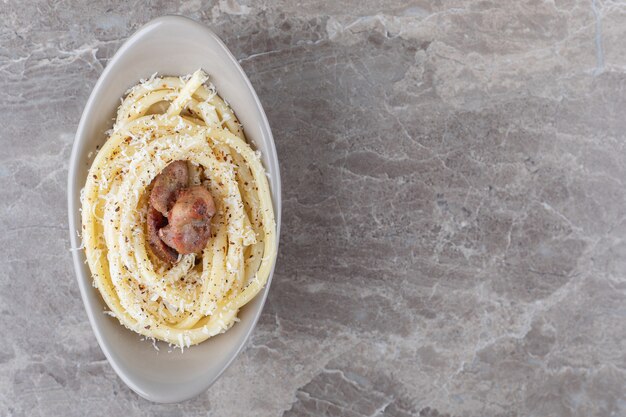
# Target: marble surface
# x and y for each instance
(454, 208)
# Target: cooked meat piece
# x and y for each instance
(188, 238)
(156, 221)
(192, 204)
(174, 177)
(189, 220)
(178, 217)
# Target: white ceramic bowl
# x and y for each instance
(170, 45)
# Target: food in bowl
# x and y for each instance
(177, 217)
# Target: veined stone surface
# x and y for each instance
(454, 208)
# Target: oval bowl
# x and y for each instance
(170, 45)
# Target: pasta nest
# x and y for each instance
(161, 120)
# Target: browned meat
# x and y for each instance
(157, 221)
(174, 177)
(178, 217)
(189, 226)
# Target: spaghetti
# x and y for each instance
(161, 120)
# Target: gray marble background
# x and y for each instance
(454, 208)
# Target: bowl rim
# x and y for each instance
(73, 189)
